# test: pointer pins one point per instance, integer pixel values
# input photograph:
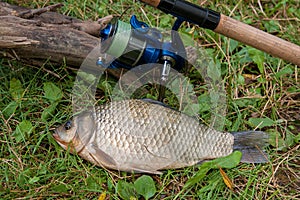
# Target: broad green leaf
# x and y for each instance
(233, 45)
(33, 180)
(187, 36)
(191, 109)
(214, 97)
(10, 109)
(15, 89)
(92, 185)
(241, 103)
(214, 71)
(204, 103)
(261, 122)
(284, 71)
(145, 186)
(48, 111)
(258, 58)
(126, 190)
(289, 139)
(276, 140)
(86, 77)
(297, 138)
(165, 21)
(198, 177)
(272, 26)
(293, 89)
(52, 92)
(240, 79)
(21, 180)
(62, 188)
(228, 162)
(23, 130)
(106, 87)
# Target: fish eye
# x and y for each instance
(68, 125)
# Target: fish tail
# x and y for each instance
(251, 144)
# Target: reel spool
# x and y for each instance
(137, 44)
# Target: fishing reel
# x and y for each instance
(136, 44)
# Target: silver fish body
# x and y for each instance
(135, 135)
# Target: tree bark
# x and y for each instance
(38, 35)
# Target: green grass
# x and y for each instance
(34, 166)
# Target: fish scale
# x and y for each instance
(141, 136)
(169, 133)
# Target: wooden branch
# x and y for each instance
(30, 13)
(46, 36)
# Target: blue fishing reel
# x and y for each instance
(137, 44)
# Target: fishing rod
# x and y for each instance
(229, 27)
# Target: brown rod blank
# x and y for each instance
(247, 34)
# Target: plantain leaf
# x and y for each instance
(92, 185)
(261, 122)
(258, 58)
(276, 140)
(198, 177)
(126, 190)
(214, 71)
(145, 186)
(48, 111)
(33, 180)
(297, 138)
(23, 130)
(233, 45)
(60, 188)
(16, 89)
(284, 71)
(10, 109)
(52, 92)
(228, 162)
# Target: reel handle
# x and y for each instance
(232, 28)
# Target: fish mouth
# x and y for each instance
(57, 138)
(55, 135)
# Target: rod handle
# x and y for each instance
(234, 29)
(259, 39)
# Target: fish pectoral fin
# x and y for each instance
(101, 157)
(147, 171)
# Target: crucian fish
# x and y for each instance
(142, 136)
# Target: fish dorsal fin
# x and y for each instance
(156, 102)
(102, 158)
